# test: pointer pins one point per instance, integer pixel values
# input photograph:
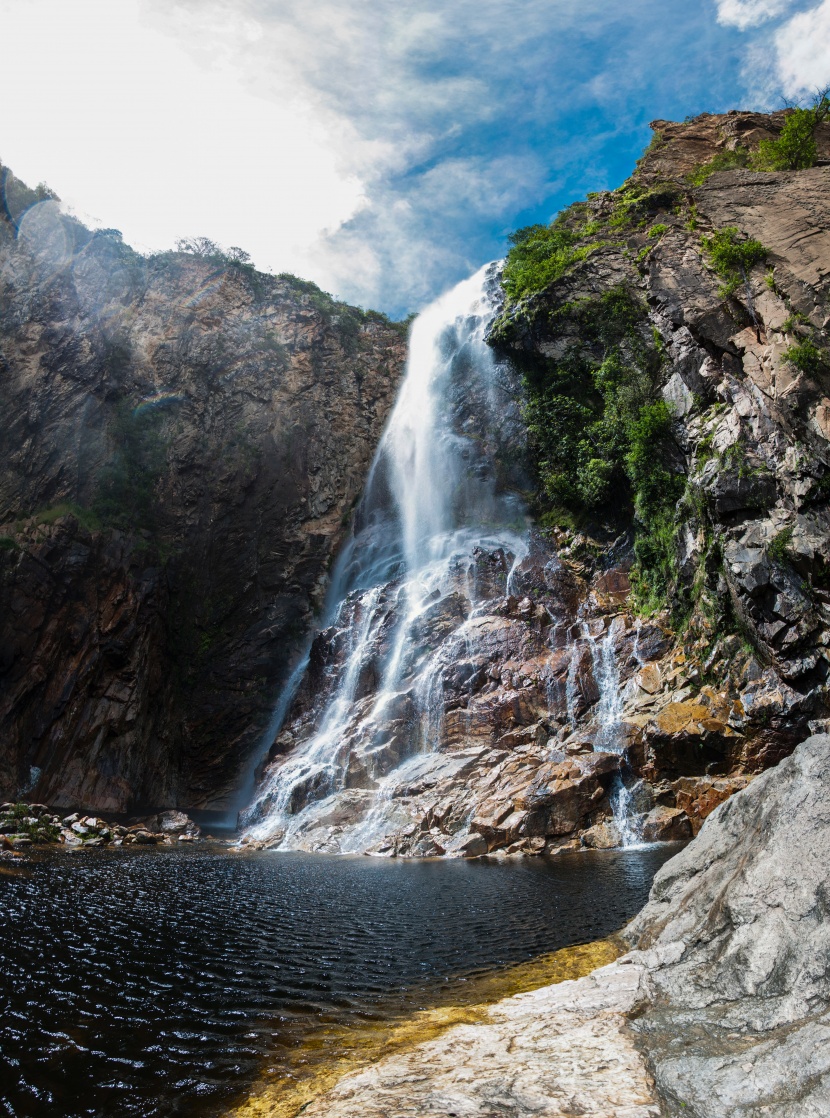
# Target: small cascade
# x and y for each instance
(404, 587)
(609, 737)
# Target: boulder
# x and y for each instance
(665, 824)
(177, 823)
(602, 836)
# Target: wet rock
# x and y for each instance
(665, 824)
(602, 836)
(176, 822)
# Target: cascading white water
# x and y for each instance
(431, 500)
(609, 716)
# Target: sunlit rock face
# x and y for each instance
(182, 442)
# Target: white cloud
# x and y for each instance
(380, 148)
(803, 51)
(750, 13)
(128, 127)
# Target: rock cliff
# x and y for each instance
(183, 440)
(665, 638)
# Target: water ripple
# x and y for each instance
(159, 983)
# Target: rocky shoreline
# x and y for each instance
(23, 825)
(721, 1008)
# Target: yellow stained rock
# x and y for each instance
(336, 1050)
(677, 716)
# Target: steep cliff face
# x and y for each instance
(722, 486)
(665, 638)
(183, 440)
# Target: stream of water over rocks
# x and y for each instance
(165, 982)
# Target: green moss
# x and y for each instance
(731, 257)
(722, 161)
(657, 230)
(86, 517)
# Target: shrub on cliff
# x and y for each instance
(731, 257)
(722, 161)
(599, 431)
(807, 357)
(796, 148)
(540, 254)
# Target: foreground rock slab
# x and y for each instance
(562, 1050)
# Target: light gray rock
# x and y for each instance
(735, 940)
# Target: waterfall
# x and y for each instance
(609, 717)
(433, 498)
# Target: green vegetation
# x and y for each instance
(348, 319)
(792, 320)
(722, 161)
(731, 257)
(806, 356)
(634, 204)
(778, 547)
(795, 149)
(598, 431)
(86, 517)
(540, 254)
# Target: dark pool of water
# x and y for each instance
(158, 982)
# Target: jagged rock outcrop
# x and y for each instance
(721, 1010)
(183, 440)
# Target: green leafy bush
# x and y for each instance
(657, 230)
(778, 547)
(634, 203)
(796, 148)
(598, 429)
(540, 254)
(806, 356)
(731, 257)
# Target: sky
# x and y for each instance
(382, 148)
